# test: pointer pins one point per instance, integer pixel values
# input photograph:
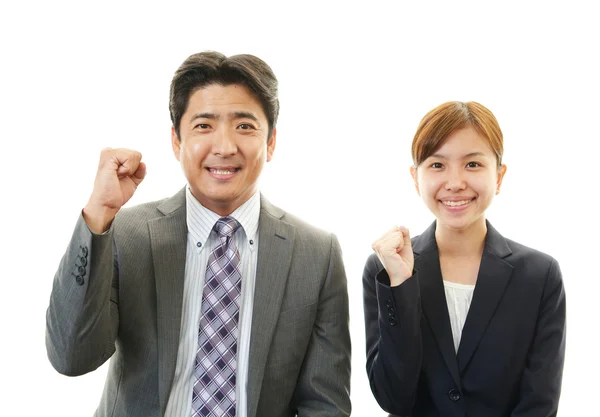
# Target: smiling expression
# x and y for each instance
(223, 146)
(458, 182)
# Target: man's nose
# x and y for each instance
(224, 143)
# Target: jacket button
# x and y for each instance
(83, 261)
(391, 311)
(388, 303)
(81, 270)
(392, 321)
(84, 250)
(79, 280)
(454, 395)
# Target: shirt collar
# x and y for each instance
(200, 220)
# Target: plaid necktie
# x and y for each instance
(216, 359)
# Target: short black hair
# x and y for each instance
(205, 68)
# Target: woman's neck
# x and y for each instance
(465, 242)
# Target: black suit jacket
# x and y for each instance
(510, 358)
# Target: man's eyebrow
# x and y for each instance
(244, 115)
(233, 115)
(205, 116)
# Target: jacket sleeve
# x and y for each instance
(541, 381)
(323, 387)
(393, 338)
(82, 317)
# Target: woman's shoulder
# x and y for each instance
(524, 253)
(533, 266)
(529, 265)
(515, 253)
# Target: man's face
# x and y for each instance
(223, 146)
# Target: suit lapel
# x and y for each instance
(494, 274)
(275, 248)
(433, 297)
(168, 236)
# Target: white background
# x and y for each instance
(355, 79)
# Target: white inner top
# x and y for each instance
(458, 298)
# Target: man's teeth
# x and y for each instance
(456, 203)
(222, 171)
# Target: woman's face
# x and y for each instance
(459, 181)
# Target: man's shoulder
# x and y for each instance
(145, 212)
(141, 212)
(302, 228)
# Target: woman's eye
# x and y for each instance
(437, 165)
(473, 164)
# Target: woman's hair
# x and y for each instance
(449, 117)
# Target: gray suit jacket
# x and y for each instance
(120, 294)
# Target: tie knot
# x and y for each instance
(226, 226)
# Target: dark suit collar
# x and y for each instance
(493, 277)
(425, 240)
(433, 298)
(496, 243)
(494, 274)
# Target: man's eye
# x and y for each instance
(473, 164)
(245, 126)
(202, 126)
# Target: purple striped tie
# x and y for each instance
(216, 359)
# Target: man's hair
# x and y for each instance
(449, 117)
(205, 68)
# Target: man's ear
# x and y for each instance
(175, 143)
(271, 145)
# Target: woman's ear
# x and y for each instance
(501, 172)
(413, 173)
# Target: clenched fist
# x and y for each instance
(394, 250)
(120, 171)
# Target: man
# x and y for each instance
(212, 302)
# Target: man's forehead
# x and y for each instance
(216, 101)
(234, 114)
(222, 90)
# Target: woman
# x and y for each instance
(461, 321)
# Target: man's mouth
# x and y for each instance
(223, 171)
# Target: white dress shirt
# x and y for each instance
(458, 298)
(201, 239)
